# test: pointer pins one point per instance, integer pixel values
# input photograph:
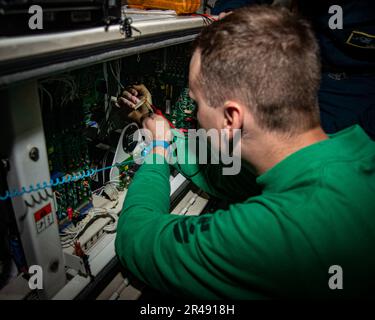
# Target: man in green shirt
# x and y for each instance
(311, 230)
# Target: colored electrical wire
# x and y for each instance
(56, 182)
(82, 175)
(207, 19)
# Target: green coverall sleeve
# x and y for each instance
(193, 255)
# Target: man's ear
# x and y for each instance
(233, 116)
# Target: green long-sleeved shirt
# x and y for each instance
(316, 209)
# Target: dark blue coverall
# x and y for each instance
(347, 91)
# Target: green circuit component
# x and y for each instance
(74, 95)
(78, 109)
(183, 115)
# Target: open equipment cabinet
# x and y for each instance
(59, 124)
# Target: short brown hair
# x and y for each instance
(268, 58)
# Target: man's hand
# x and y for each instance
(160, 130)
(137, 101)
(159, 127)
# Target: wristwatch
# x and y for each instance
(160, 143)
(155, 143)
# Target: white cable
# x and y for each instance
(111, 191)
(107, 96)
(72, 232)
(120, 153)
(116, 76)
(111, 228)
(68, 80)
(104, 164)
(49, 96)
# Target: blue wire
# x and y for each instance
(56, 182)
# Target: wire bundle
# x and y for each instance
(70, 90)
(72, 233)
(207, 19)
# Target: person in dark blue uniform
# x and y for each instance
(347, 92)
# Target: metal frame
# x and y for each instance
(52, 53)
(28, 165)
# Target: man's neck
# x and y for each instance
(270, 149)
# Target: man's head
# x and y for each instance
(257, 68)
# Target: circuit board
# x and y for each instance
(82, 127)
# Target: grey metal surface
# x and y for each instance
(89, 60)
(29, 46)
(24, 49)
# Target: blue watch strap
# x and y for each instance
(160, 143)
(155, 143)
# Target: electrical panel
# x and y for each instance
(83, 130)
(82, 126)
